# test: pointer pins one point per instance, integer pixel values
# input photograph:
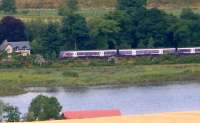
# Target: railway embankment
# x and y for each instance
(138, 71)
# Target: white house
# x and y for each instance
(22, 47)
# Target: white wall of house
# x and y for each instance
(24, 52)
(9, 49)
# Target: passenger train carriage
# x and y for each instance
(127, 52)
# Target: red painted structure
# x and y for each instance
(91, 114)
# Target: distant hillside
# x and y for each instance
(107, 4)
(84, 4)
(174, 4)
(46, 9)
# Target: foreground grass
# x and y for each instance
(13, 81)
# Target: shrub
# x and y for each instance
(44, 108)
(70, 74)
(43, 71)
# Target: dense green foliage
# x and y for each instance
(12, 29)
(9, 113)
(12, 114)
(41, 108)
(131, 25)
(1, 110)
(45, 108)
(8, 6)
(69, 6)
(75, 32)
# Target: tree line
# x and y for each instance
(130, 25)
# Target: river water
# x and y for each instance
(130, 100)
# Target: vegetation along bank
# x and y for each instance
(139, 71)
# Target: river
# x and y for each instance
(130, 100)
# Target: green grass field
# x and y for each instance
(13, 81)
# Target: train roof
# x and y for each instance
(125, 49)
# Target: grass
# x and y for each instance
(38, 12)
(13, 81)
(83, 4)
(94, 12)
(51, 15)
(143, 70)
(104, 4)
(29, 10)
(177, 12)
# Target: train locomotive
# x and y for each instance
(127, 52)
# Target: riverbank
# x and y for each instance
(14, 81)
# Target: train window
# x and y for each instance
(88, 53)
(147, 52)
(125, 52)
(197, 50)
(68, 54)
(169, 51)
(110, 53)
(184, 50)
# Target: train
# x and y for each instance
(127, 52)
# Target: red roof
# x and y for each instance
(90, 114)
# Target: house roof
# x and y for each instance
(90, 114)
(3, 45)
(19, 45)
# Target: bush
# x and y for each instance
(70, 74)
(102, 62)
(166, 59)
(43, 71)
(12, 113)
(44, 108)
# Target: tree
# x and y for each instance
(9, 113)
(72, 5)
(12, 29)
(150, 30)
(103, 32)
(51, 41)
(69, 6)
(123, 36)
(177, 33)
(75, 32)
(35, 33)
(134, 11)
(130, 5)
(192, 19)
(188, 14)
(8, 6)
(1, 110)
(12, 114)
(45, 108)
